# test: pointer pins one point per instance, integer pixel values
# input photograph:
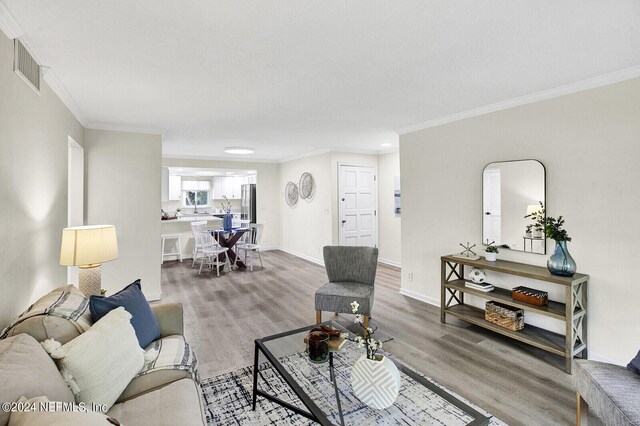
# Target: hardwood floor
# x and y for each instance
(223, 316)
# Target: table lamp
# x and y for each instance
(88, 247)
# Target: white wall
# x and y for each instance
(390, 222)
(268, 203)
(34, 131)
(307, 227)
(589, 143)
(318, 219)
(123, 188)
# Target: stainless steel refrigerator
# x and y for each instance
(248, 203)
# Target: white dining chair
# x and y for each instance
(211, 251)
(196, 228)
(252, 248)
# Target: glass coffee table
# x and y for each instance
(284, 374)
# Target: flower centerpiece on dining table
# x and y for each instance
(227, 221)
(375, 379)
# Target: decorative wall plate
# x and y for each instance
(306, 186)
(291, 194)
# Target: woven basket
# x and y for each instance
(505, 316)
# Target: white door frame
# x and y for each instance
(375, 202)
(75, 193)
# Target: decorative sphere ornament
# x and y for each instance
(478, 275)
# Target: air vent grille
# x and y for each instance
(25, 66)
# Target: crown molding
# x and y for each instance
(12, 29)
(8, 24)
(579, 86)
(114, 127)
(340, 150)
(217, 158)
(58, 88)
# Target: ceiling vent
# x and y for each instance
(25, 66)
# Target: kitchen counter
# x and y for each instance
(182, 227)
(206, 217)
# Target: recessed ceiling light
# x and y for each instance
(386, 144)
(238, 150)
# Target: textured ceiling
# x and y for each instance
(292, 77)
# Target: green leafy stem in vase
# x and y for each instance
(368, 342)
(552, 227)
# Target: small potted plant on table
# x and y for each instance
(491, 252)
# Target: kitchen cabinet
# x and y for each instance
(175, 188)
(165, 184)
(228, 186)
(171, 186)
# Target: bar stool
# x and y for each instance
(176, 252)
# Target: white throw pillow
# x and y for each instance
(100, 363)
(42, 412)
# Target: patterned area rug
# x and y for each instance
(228, 398)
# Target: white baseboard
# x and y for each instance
(597, 357)
(389, 262)
(303, 256)
(419, 296)
(153, 297)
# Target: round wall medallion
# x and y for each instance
(291, 194)
(306, 186)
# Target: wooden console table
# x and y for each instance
(573, 311)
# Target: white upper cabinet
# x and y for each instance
(228, 186)
(175, 188)
(165, 184)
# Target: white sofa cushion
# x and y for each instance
(43, 412)
(99, 364)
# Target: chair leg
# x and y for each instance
(366, 322)
(582, 411)
(201, 263)
(318, 317)
(195, 256)
(162, 254)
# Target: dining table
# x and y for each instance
(228, 239)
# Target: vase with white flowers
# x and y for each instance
(227, 221)
(375, 379)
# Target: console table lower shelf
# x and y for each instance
(573, 312)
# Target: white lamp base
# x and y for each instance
(90, 278)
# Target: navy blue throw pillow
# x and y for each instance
(634, 365)
(143, 320)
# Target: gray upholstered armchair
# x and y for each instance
(352, 274)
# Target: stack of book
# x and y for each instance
(486, 287)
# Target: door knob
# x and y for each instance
(487, 213)
(344, 221)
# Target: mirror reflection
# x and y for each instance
(512, 190)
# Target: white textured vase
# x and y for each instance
(376, 383)
(491, 257)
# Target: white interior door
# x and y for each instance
(75, 194)
(492, 207)
(358, 205)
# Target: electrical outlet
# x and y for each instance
(410, 276)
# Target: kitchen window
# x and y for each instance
(195, 193)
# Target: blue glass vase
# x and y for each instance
(227, 222)
(561, 263)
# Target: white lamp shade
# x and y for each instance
(88, 245)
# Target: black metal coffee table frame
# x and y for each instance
(315, 413)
